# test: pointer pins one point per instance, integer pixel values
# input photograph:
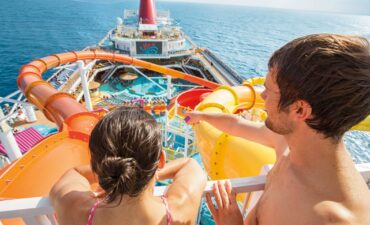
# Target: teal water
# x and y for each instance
(140, 85)
(143, 87)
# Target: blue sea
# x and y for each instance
(244, 37)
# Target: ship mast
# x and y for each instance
(147, 13)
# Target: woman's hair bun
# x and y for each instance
(118, 175)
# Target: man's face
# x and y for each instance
(277, 120)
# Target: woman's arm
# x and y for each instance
(76, 179)
(186, 190)
(172, 168)
(73, 186)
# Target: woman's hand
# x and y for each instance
(227, 211)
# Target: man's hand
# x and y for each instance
(193, 117)
(227, 211)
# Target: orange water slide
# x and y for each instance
(35, 173)
(52, 102)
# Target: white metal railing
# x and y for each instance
(33, 211)
(148, 78)
(222, 66)
(105, 37)
(92, 77)
(17, 98)
(38, 210)
(4, 161)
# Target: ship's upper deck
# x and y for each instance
(162, 39)
(165, 27)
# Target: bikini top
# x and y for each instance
(96, 204)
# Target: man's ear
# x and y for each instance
(301, 110)
(162, 160)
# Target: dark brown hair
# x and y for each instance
(125, 149)
(330, 72)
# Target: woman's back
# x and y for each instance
(126, 160)
(148, 211)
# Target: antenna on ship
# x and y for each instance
(147, 13)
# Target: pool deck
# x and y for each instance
(41, 120)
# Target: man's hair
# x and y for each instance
(330, 72)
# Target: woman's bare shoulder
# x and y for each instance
(74, 208)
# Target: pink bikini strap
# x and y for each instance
(92, 212)
(169, 217)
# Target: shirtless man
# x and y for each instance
(317, 88)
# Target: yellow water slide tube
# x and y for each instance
(225, 156)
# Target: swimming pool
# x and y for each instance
(143, 87)
(45, 130)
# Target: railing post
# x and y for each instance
(30, 114)
(169, 87)
(186, 142)
(8, 140)
(30, 221)
(43, 220)
(83, 72)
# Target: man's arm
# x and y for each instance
(237, 126)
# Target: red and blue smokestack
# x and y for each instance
(147, 13)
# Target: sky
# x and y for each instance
(344, 6)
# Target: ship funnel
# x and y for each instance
(147, 13)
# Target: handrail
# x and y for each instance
(40, 207)
(38, 210)
(18, 95)
(234, 75)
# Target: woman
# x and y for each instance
(126, 160)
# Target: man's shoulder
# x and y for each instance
(332, 213)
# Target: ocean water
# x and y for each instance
(244, 37)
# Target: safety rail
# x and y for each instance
(106, 37)
(38, 210)
(33, 211)
(172, 154)
(16, 98)
(212, 57)
(4, 161)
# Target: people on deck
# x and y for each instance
(6, 109)
(316, 89)
(21, 116)
(126, 161)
